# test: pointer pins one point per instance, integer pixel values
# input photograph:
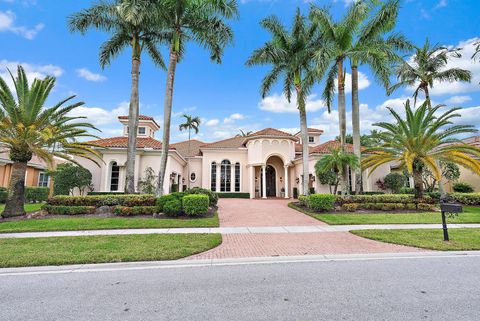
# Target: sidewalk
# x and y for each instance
(239, 230)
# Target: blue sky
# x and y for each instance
(226, 96)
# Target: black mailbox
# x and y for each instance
(451, 208)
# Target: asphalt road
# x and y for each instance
(399, 289)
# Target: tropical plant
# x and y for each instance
(148, 184)
(244, 133)
(329, 178)
(199, 21)
(336, 161)
(450, 171)
(427, 67)
(331, 56)
(462, 187)
(28, 127)
(476, 54)
(394, 182)
(134, 24)
(290, 53)
(421, 139)
(366, 140)
(191, 123)
(68, 177)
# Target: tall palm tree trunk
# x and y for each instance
(166, 119)
(132, 124)
(356, 128)
(16, 192)
(417, 182)
(342, 118)
(304, 133)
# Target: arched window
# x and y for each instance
(225, 176)
(237, 177)
(213, 177)
(114, 177)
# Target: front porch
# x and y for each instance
(270, 179)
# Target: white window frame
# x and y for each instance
(311, 139)
(144, 130)
(48, 179)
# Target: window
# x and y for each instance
(141, 130)
(311, 139)
(237, 177)
(43, 179)
(213, 177)
(225, 176)
(193, 177)
(114, 177)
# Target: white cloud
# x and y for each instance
(32, 70)
(90, 76)
(233, 117)
(441, 4)
(100, 116)
(212, 122)
(465, 62)
(458, 100)
(7, 23)
(363, 82)
(277, 103)
(184, 111)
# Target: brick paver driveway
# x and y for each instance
(275, 212)
(269, 212)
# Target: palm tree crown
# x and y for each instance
(427, 66)
(27, 127)
(191, 123)
(421, 139)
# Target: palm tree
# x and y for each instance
(28, 127)
(420, 140)
(336, 162)
(244, 133)
(290, 54)
(191, 123)
(331, 56)
(476, 54)
(200, 21)
(428, 66)
(370, 48)
(134, 24)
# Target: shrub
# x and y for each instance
(101, 200)
(234, 195)
(350, 207)
(466, 198)
(68, 210)
(321, 202)
(407, 190)
(36, 194)
(394, 182)
(173, 207)
(295, 193)
(373, 193)
(461, 187)
(135, 210)
(160, 202)
(311, 190)
(194, 205)
(3, 194)
(212, 196)
(385, 198)
(105, 193)
(303, 200)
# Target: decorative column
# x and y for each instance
(218, 177)
(232, 177)
(251, 181)
(286, 181)
(264, 181)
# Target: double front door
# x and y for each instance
(271, 182)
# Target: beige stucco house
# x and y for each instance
(267, 163)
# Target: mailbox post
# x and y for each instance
(450, 208)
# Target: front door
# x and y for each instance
(271, 178)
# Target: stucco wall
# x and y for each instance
(471, 178)
(217, 156)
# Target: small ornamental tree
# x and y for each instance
(148, 184)
(67, 177)
(394, 182)
(330, 179)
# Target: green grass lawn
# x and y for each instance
(102, 223)
(460, 239)
(29, 207)
(102, 249)
(470, 215)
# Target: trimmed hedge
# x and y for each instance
(105, 193)
(160, 202)
(352, 207)
(385, 198)
(321, 202)
(173, 207)
(68, 210)
(461, 187)
(212, 196)
(194, 205)
(134, 210)
(102, 200)
(3, 194)
(36, 194)
(234, 195)
(466, 198)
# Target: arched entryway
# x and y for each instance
(271, 180)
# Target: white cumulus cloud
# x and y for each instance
(278, 103)
(89, 75)
(458, 100)
(99, 116)
(7, 24)
(212, 122)
(32, 70)
(233, 117)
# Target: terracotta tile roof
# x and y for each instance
(311, 130)
(188, 150)
(141, 117)
(475, 140)
(271, 132)
(298, 148)
(122, 142)
(234, 142)
(325, 147)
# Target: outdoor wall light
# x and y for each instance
(313, 178)
(297, 180)
(183, 180)
(256, 179)
(281, 179)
